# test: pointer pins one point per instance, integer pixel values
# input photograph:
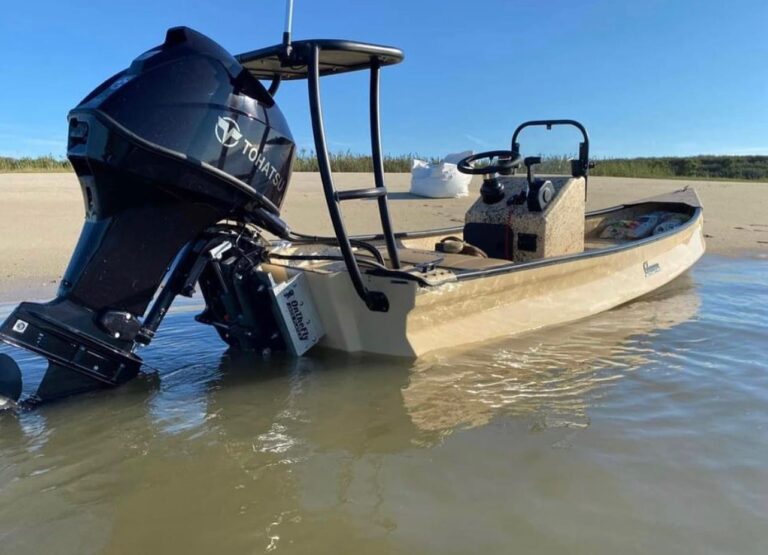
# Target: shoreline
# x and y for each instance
(689, 178)
(41, 215)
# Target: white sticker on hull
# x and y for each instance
(301, 324)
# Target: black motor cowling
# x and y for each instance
(182, 139)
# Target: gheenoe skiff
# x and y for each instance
(184, 160)
(462, 298)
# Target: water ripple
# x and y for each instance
(642, 429)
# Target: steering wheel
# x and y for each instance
(506, 162)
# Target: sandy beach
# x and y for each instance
(41, 215)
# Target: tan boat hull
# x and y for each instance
(527, 297)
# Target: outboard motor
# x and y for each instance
(181, 140)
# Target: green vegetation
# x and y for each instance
(753, 168)
(350, 162)
(41, 164)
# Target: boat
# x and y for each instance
(184, 160)
(465, 299)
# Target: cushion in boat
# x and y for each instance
(641, 226)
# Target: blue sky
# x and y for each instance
(647, 77)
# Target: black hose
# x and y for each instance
(389, 272)
(303, 239)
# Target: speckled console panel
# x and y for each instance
(557, 231)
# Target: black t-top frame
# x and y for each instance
(336, 56)
(312, 59)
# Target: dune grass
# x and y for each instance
(750, 168)
(39, 164)
(351, 162)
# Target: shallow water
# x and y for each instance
(641, 430)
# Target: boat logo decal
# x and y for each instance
(294, 309)
(20, 326)
(227, 132)
(651, 269)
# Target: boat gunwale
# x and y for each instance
(420, 233)
(696, 214)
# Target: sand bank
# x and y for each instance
(41, 216)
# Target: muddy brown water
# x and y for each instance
(640, 430)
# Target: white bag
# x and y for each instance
(441, 180)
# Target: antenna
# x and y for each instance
(285, 54)
(288, 24)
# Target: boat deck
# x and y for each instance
(410, 256)
(419, 252)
